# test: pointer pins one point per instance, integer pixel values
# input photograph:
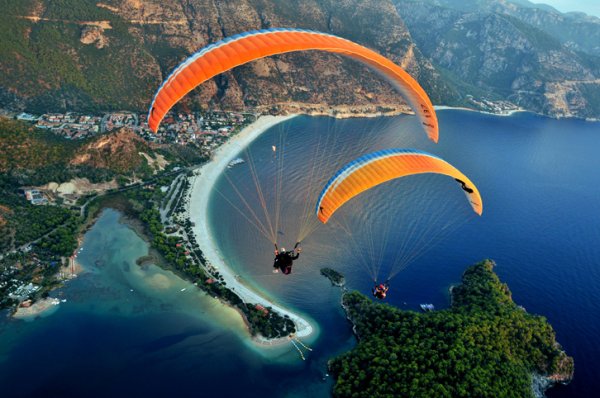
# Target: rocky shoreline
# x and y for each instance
(541, 383)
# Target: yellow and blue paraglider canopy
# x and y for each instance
(376, 168)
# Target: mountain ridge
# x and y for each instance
(495, 53)
(95, 56)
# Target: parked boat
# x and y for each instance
(235, 162)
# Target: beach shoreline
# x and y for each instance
(510, 112)
(41, 307)
(198, 208)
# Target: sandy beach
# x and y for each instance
(200, 191)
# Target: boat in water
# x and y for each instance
(235, 162)
(427, 307)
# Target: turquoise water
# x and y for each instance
(127, 330)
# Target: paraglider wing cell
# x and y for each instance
(376, 168)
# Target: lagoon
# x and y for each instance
(127, 330)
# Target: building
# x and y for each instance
(28, 117)
(35, 197)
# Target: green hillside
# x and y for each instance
(48, 65)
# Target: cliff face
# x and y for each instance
(578, 31)
(497, 49)
(113, 54)
(153, 36)
(563, 373)
(310, 77)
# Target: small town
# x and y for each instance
(206, 129)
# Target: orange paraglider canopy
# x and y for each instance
(245, 47)
(378, 167)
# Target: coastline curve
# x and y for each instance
(201, 187)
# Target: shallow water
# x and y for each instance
(127, 330)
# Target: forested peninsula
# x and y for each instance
(484, 345)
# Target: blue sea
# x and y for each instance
(130, 330)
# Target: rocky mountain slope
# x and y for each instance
(112, 54)
(578, 31)
(498, 50)
(121, 152)
(115, 53)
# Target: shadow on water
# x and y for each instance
(167, 341)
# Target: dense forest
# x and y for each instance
(23, 147)
(45, 235)
(483, 346)
(94, 79)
